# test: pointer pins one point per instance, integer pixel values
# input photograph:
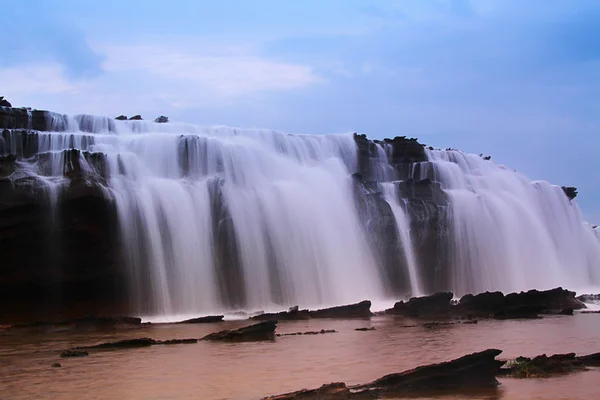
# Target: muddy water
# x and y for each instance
(250, 370)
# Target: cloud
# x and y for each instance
(226, 75)
(46, 78)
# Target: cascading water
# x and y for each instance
(509, 233)
(221, 219)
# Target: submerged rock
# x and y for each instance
(365, 329)
(322, 331)
(74, 353)
(477, 370)
(203, 320)
(261, 331)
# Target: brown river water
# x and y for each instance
(211, 370)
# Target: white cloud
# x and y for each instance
(226, 75)
(36, 78)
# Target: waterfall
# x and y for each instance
(509, 233)
(221, 219)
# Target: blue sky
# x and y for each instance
(515, 79)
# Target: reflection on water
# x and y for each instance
(250, 370)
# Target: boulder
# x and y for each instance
(261, 331)
(162, 119)
(435, 305)
(121, 118)
(136, 118)
(203, 320)
(570, 192)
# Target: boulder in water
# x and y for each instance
(435, 305)
(162, 119)
(473, 371)
(203, 320)
(121, 118)
(261, 331)
(136, 118)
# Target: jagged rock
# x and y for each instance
(435, 305)
(365, 329)
(203, 320)
(4, 102)
(588, 298)
(136, 118)
(162, 119)
(74, 353)
(357, 310)
(570, 192)
(473, 371)
(261, 331)
(121, 118)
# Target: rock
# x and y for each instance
(261, 331)
(590, 360)
(203, 320)
(322, 331)
(589, 298)
(566, 311)
(123, 344)
(438, 324)
(4, 102)
(177, 341)
(136, 118)
(74, 353)
(435, 305)
(331, 391)
(365, 329)
(570, 192)
(591, 312)
(162, 119)
(531, 312)
(121, 118)
(473, 371)
(56, 365)
(543, 366)
(357, 310)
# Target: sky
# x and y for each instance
(515, 79)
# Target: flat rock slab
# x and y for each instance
(261, 331)
(203, 320)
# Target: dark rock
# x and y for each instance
(177, 341)
(591, 312)
(365, 329)
(74, 353)
(136, 118)
(123, 344)
(4, 102)
(438, 324)
(56, 365)
(331, 391)
(543, 366)
(261, 331)
(590, 360)
(566, 311)
(570, 192)
(203, 320)
(162, 119)
(358, 310)
(473, 371)
(322, 331)
(121, 118)
(435, 305)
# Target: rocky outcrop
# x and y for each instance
(136, 118)
(357, 310)
(4, 102)
(121, 118)
(570, 192)
(473, 371)
(257, 332)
